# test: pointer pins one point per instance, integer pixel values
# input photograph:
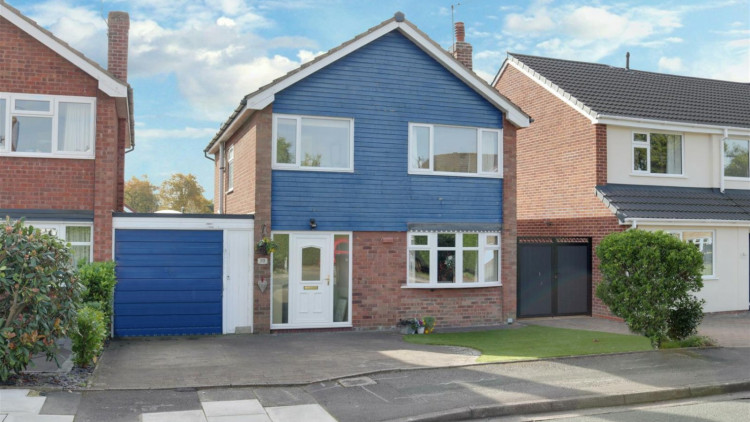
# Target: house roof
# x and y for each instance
(601, 91)
(633, 202)
(265, 95)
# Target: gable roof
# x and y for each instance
(634, 202)
(264, 96)
(601, 91)
(108, 83)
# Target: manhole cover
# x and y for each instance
(356, 382)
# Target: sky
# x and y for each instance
(192, 61)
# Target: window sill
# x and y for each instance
(736, 179)
(319, 169)
(456, 174)
(710, 278)
(451, 286)
(38, 155)
(669, 176)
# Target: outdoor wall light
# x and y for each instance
(313, 224)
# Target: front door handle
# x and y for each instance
(328, 280)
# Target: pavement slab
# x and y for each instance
(232, 408)
(307, 413)
(240, 418)
(60, 402)
(182, 416)
(39, 418)
(18, 401)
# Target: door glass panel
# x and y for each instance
(280, 279)
(32, 134)
(286, 141)
(341, 278)
(311, 264)
(419, 266)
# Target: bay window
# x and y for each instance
(77, 236)
(313, 143)
(453, 259)
(657, 153)
(454, 150)
(736, 158)
(46, 126)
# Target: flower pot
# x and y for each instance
(407, 330)
(420, 330)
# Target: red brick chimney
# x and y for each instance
(462, 50)
(117, 53)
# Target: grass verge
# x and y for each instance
(534, 342)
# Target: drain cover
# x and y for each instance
(356, 382)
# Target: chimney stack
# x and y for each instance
(117, 52)
(462, 50)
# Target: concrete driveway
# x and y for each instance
(729, 330)
(258, 360)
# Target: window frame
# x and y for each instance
(459, 248)
(647, 144)
(479, 132)
(61, 228)
(297, 165)
(54, 114)
(680, 235)
(723, 170)
(230, 169)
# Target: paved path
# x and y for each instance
(239, 360)
(22, 405)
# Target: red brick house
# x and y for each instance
(385, 171)
(613, 148)
(65, 125)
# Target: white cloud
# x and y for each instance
(670, 64)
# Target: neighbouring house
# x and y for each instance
(65, 125)
(616, 148)
(384, 170)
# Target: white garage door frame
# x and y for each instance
(237, 273)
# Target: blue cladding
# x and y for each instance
(169, 282)
(384, 86)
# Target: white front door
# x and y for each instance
(310, 279)
(238, 279)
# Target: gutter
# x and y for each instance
(700, 127)
(634, 222)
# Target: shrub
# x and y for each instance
(39, 292)
(649, 278)
(88, 335)
(99, 279)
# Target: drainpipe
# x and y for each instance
(634, 225)
(221, 178)
(721, 159)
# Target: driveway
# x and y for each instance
(258, 360)
(729, 330)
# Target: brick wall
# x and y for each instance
(54, 183)
(562, 156)
(379, 272)
(509, 237)
(252, 194)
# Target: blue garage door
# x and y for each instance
(168, 282)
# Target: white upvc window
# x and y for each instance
(704, 240)
(442, 260)
(230, 169)
(455, 150)
(657, 154)
(313, 143)
(47, 126)
(737, 159)
(78, 235)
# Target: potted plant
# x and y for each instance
(407, 326)
(266, 246)
(429, 324)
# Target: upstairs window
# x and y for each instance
(737, 158)
(43, 126)
(657, 153)
(454, 150)
(313, 143)
(230, 169)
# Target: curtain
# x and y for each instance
(74, 133)
(674, 154)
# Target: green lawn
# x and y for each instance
(533, 342)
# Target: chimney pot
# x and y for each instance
(460, 32)
(117, 52)
(462, 50)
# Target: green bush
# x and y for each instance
(649, 277)
(99, 279)
(39, 292)
(88, 335)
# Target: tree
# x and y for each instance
(649, 281)
(39, 293)
(181, 192)
(141, 195)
